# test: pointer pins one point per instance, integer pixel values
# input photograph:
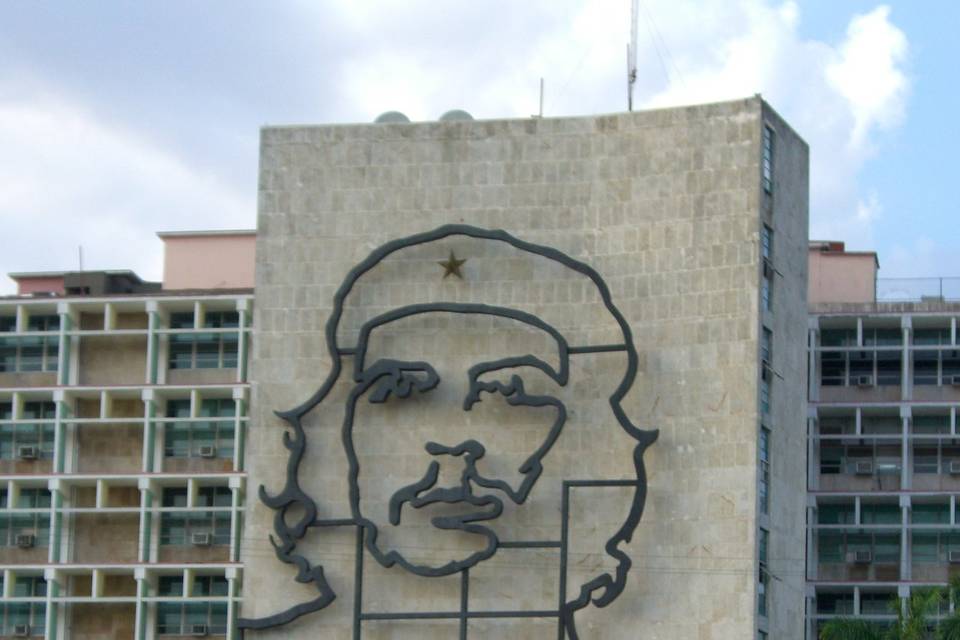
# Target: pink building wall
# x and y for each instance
(208, 259)
(27, 285)
(837, 275)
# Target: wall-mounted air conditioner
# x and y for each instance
(863, 381)
(860, 557)
(201, 539)
(25, 540)
(207, 451)
(27, 452)
(864, 468)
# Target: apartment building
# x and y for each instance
(884, 441)
(123, 414)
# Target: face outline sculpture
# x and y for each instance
(480, 496)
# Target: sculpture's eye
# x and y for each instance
(400, 383)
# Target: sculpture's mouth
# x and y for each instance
(467, 506)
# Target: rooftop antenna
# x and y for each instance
(541, 97)
(539, 115)
(632, 54)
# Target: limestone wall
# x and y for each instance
(666, 206)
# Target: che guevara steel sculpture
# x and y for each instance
(481, 497)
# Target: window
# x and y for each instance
(936, 367)
(36, 524)
(44, 323)
(194, 438)
(930, 514)
(24, 354)
(764, 489)
(835, 603)
(766, 294)
(178, 527)
(764, 396)
(864, 368)
(933, 547)
(882, 337)
(30, 614)
(8, 324)
(766, 242)
(931, 424)
(935, 337)
(872, 513)
(204, 350)
(875, 603)
(767, 159)
(763, 544)
(182, 618)
(16, 438)
(766, 343)
(935, 457)
(836, 513)
(836, 546)
(838, 338)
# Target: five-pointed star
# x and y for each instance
(452, 266)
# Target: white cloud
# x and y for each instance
(69, 176)
(837, 95)
(67, 179)
(867, 73)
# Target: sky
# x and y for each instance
(120, 119)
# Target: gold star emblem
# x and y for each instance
(452, 266)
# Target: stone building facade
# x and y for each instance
(696, 220)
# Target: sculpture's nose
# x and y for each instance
(455, 464)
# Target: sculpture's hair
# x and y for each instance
(601, 590)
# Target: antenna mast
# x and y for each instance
(632, 54)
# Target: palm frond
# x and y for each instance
(850, 629)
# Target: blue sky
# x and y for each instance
(125, 118)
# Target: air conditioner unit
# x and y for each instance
(954, 557)
(864, 468)
(860, 557)
(863, 381)
(21, 630)
(955, 467)
(25, 540)
(201, 539)
(207, 451)
(953, 380)
(199, 630)
(767, 268)
(27, 452)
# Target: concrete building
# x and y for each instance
(123, 414)
(134, 436)
(884, 446)
(696, 219)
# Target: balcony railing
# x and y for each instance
(917, 289)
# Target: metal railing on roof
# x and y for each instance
(918, 289)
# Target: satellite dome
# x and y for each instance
(391, 117)
(455, 114)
